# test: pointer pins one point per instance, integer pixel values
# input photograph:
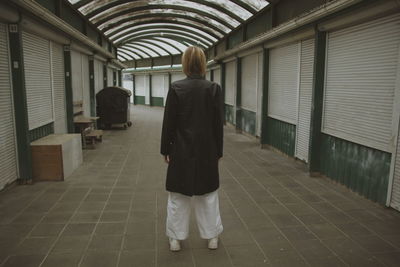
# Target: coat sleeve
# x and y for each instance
(169, 122)
(219, 121)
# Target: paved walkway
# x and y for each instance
(111, 212)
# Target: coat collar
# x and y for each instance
(196, 76)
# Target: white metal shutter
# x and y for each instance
(76, 70)
(166, 87)
(305, 96)
(85, 85)
(362, 64)
(249, 82)
(208, 75)
(37, 80)
(259, 93)
(140, 85)
(57, 58)
(147, 89)
(98, 76)
(110, 78)
(127, 83)
(177, 76)
(284, 83)
(8, 157)
(217, 76)
(230, 82)
(157, 84)
(395, 196)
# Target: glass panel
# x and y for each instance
(256, 4)
(234, 8)
(159, 50)
(144, 49)
(160, 26)
(115, 29)
(167, 46)
(179, 45)
(132, 54)
(73, 1)
(161, 32)
(178, 38)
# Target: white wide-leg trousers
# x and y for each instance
(206, 208)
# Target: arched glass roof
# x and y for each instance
(153, 28)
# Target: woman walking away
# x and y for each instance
(191, 142)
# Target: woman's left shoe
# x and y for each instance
(213, 243)
(174, 245)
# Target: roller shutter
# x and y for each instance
(230, 82)
(37, 67)
(157, 85)
(259, 93)
(395, 197)
(166, 87)
(98, 76)
(362, 67)
(249, 80)
(140, 87)
(76, 70)
(305, 96)
(217, 76)
(284, 83)
(8, 159)
(57, 58)
(208, 75)
(110, 78)
(85, 85)
(176, 76)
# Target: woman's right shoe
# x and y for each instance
(174, 245)
(213, 243)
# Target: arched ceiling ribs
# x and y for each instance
(153, 44)
(176, 37)
(144, 49)
(162, 32)
(131, 54)
(137, 51)
(134, 46)
(124, 56)
(93, 12)
(145, 17)
(245, 6)
(165, 41)
(163, 7)
(129, 30)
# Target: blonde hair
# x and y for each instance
(194, 61)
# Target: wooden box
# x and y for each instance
(56, 156)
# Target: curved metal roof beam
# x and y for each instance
(113, 4)
(136, 51)
(167, 27)
(171, 48)
(131, 54)
(124, 56)
(245, 6)
(153, 44)
(161, 33)
(166, 41)
(134, 46)
(150, 52)
(167, 7)
(176, 37)
(168, 16)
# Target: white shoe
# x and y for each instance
(213, 243)
(174, 245)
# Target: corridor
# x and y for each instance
(111, 212)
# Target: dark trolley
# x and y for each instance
(113, 107)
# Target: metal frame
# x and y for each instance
(134, 46)
(176, 37)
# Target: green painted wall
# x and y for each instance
(157, 101)
(229, 113)
(364, 170)
(246, 121)
(40, 132)
(281, 135)
(139, 100)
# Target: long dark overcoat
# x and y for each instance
(192, 136)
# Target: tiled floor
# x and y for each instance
(111, 212)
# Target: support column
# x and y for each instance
(150, 89)
(317, 102)
(120, 78)
(223, 87)
(105, 76)
(264, 109)
(133, 88)
(238, 106)
(114, 78)
(68, 89)
(20, 104)
(91, 87)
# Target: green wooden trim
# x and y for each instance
(229, 113)
(134, 89)
(264, 109)
(223, 73)
(238, 93)
(247, 121)
(157, 101)
(20, 105)
(68, 89)
(282, 136)
(212, 75)
(150, 91)
(169, 80)
(317, 102)
(91, 88)
(362, 169)
(120, 78)
(105, 82)
(41, 131)
(140, 100)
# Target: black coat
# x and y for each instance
(192, 136)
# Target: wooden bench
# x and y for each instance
(91, 136)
